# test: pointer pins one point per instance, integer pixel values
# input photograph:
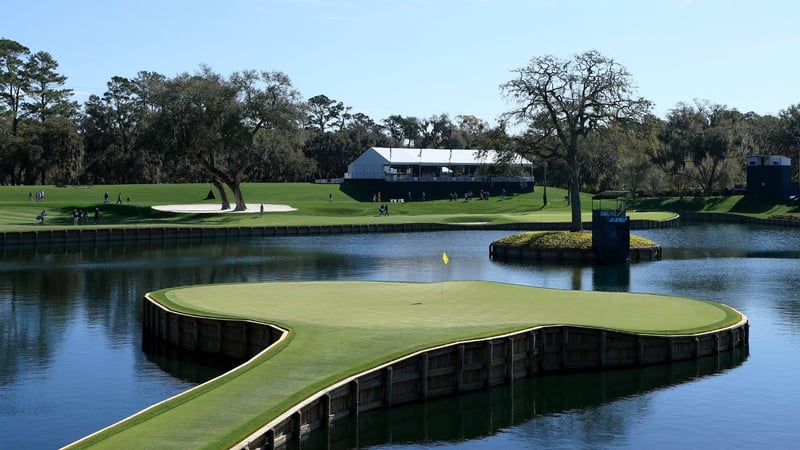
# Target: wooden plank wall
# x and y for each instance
(442, 371)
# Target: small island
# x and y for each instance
(565, 246)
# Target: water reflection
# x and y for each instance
(185, 365)
(607, 277)
(487, 413)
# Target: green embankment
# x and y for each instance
(310, 200)
(313, 207)
(341, 328)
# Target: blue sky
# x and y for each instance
(427, 57)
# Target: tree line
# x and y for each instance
(577, 119)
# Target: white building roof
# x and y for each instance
(377, 162)
(432, 157)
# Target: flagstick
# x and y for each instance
(441, 294)
(445, 260)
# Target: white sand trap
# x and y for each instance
(215, 208)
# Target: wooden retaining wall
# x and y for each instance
(89, 235)
(692, 216)
(437, 372)
(237, 339)
(496, 250)
(92, 235)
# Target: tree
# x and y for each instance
(789, 135)
(47, 96)
(439, 132)
(471, 129)
(278, 157)
(215, 120)
(567, 99)
(703, 144)
(333, 151)
(324, 113)
(619, 157)
(120, 147)
(14, 82)
(404, 131)
(43, 138)
(58, 150)
(641, 140)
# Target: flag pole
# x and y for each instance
(445, 260)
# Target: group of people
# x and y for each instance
(483, 195)
(80, 216)
(468, 195)
(39, 196)
(119, 198)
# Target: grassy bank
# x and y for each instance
(310, 200)
(383, 321)
(734, 204)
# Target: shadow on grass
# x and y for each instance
(129, 215)
(749, 205)
(744, 205)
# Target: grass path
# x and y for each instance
(341, 328)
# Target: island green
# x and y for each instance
(337, 329)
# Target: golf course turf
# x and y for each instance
(341, 328)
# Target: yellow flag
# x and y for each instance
(445, 259)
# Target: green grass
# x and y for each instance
(313, 208)
(342, 328)
(562, 239)
(311, 201)
(734, 204)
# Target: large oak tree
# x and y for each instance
(567, 100)
(215, 120)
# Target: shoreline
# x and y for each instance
(90, 235)
(101, 235)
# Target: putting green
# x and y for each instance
(341, 328)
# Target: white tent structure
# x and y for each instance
(425, 164)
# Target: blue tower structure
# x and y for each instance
(769, 177)
(611, 227)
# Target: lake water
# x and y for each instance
(71, 358)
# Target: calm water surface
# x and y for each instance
(71, 359)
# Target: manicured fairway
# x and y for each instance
(341, 328)
(310, 204)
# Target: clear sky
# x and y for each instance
(427, 57)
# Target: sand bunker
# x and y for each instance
(215, 208)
